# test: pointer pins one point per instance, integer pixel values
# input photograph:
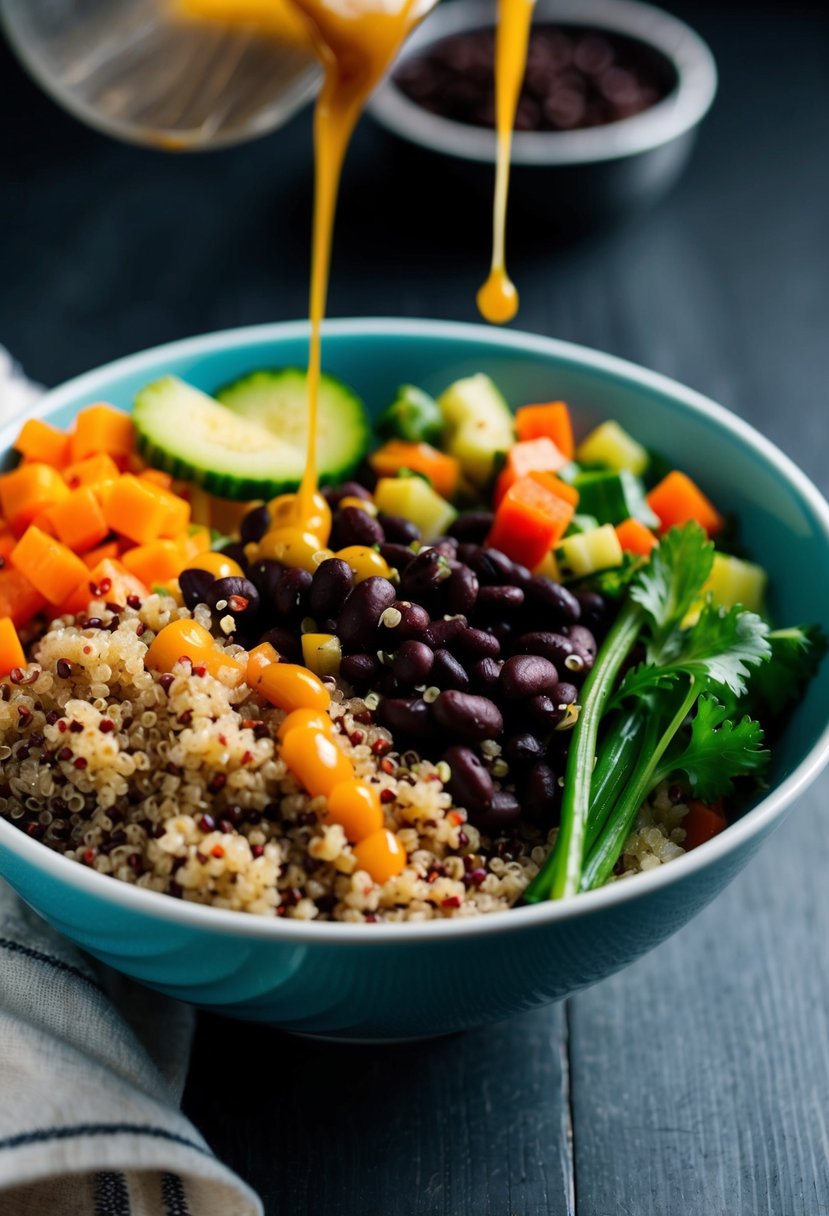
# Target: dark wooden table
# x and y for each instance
(697, 1081)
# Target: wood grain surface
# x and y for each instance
(696, 1082)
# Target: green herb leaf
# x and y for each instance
(795, 655)
(717, 751)
(672, 580)
(722, 646)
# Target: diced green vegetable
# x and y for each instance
(610, 445)
(588, 552)
(479, 425)
(581, 523)
(614, 497)
(414, 499)
(413, 416)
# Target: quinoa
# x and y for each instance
(175, 783)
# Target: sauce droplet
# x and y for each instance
(498, 299)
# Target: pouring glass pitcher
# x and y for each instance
(177, 74)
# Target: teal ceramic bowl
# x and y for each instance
(401, 981)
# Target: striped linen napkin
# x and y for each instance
(92, 1069)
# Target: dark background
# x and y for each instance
(697, 1081)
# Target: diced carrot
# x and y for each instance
(135, 509)
(52, 568)
(634, 537)
(40, 442)
(562, 488)
(551, 421)
(27, 491)
(677, 500)
(44, 522)
(158, 477)
(102, 553)
(11, 651)
(18, 598)
(156, 562)
(7, 542)
(442, 471)
(531, 456)
(529, 520)
(79, 521)
(195, 541)
(703, 822)
(101, 428)
(108, 581)
(96, 471)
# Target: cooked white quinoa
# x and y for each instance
(176, 784)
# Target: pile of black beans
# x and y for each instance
(465, 647)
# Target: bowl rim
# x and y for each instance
(161, 907)
(684, 107)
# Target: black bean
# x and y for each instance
(387, 683)
(553, 646)
(332, 581)
(411, 717)
(398, 556)
(285, 642)
(484, 674)
(467, 716)
(499, 601)
(447, 672)
(564, 694)
(503, 632)
(560, 602)
(544, 710)
(446, 546)
(346, 489)
(523, 748)
(492, 567)
(462, 588)
(540, 791)
(594, 610)
(195, 585)
(527, 675)
(472, 527)
(360, 669)
(353, 526)
(266, 574)
(255, 524)
(584, 647)
(425, 574)
(413, 623)
(238, 598)
(290, 595)
(470, 783)
(443, 633)
(501, 813)
(412, 662)
(397, 529)
(479, 642)
(236, 552)
(360, 615)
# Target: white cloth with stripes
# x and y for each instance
(92, 1069)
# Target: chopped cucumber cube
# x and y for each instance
(614, 497)
(588, 552)
(582, 523)
(413, 416)
(479, 425)
(612, 446)
(415, 500)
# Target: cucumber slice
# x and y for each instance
(479, 425)
(277, 399)
(188, 434)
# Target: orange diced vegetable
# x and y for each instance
(28, 491)
(79, 521)
(177, 517)
(158, 478)
(634, 537)
(156, 562)
(677, 500)
(562, 489)
(11, 651)
(101, 428)
(108, 581)
(531, 456)
(187, 639)
(529, 521)
(382, 855)
(551, 421)
(40, 442)
(703, 822)
(315, 759)
(101, 553)
(259, 658)
(52, 568)
(442, 471)
(197, 540)
(136, 510)
(96, 471)
(7, 542)
(18, 598)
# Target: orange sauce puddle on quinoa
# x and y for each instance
(498, 299)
